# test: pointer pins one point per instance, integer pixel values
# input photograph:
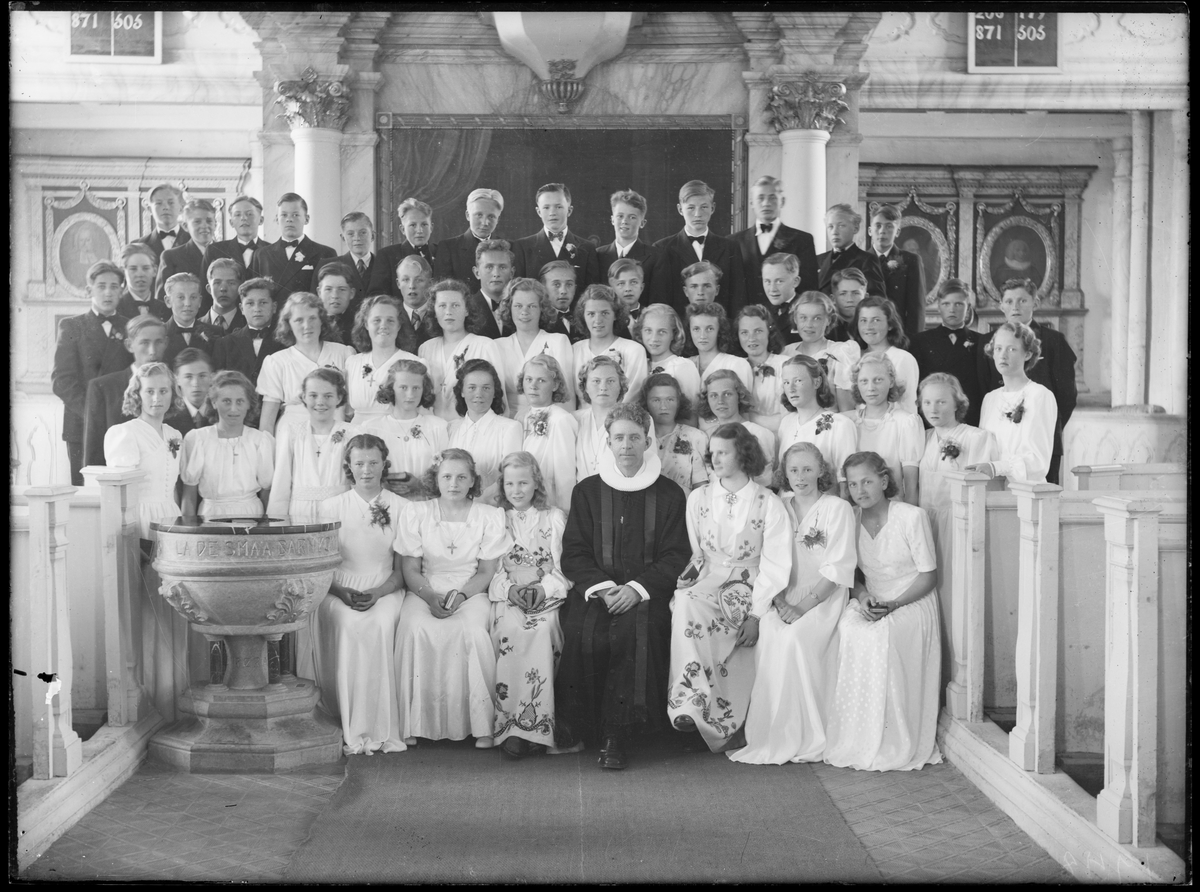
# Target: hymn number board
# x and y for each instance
(1012, 42)
(113, 36)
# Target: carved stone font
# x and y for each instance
(807, 103)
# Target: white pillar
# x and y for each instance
(1175, 297)
(1122, 155)
(318, 181)
(1139, 250)
(964, 619)
(803, 175)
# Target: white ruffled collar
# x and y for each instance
(651, 467)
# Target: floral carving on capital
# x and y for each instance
(807, 103)
(310, 102)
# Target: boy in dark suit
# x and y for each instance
(184, 329)
(770, 235)
(494, 270)
(952, 347)
(245, 216)
(416, 224)
(245, 349)
(780, 282)
(414, 276)
(628, 219)
(693, 243)
(903, 273)
(166, 204)
(555, 241)
(626, 278)
(559, 278)
(192, 257)
(849, 287)
(145, 341)
(841, 225)
(224, 277)
(193, 373)
(358, 234)
(338, 297)
(291, 261)
(137, 298)
(1055, 370)
(455, 257)
(89, 346)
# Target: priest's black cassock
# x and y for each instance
(613, 674)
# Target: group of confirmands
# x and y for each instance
(495, 424)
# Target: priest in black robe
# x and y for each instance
(624, 546)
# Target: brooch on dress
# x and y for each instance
(824, 423)
(539, 424)
(813, 538)
(367, 370)
(380, 516)
(173, 445)
(683, 446)
(415, 431)
(765, 371)
(338, 436)
(950, 449)
(1016, 414)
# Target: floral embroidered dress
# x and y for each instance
(794, 663)
(488, 439)
(1023, 424)
(744, 541)
(513, 359)
(354, 649)
(412, 442)
(898, 437)
(282, 377)
(446, 668)
(684, 371)
(631, 356)
(443, 364)
(230, 471)
(766, 409)
(308, 470)
(549, 436)
(528, 645)
(885, 707)
(832, 433)
(839, 358)
(364, 380)
(136, 444)
(682, 455)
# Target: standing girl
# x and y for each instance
(662, 334)
(809, 400)
(452, 344)
(878, 329)
(412, 438)
(602, 384)
(814, 313)
(549, 430)
(681, 447)
(755, 332)
(708, 327)
(376, 327)
(727, 401)
(597, 312)
(526, 308)
(885, 428)
(483, 429)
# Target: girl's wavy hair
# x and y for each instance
(724, 331)
(745, 399)
(606, 294)
(895, 392)
(873, 462)
(473, 324)
(816, 370)
(547, 312)
(231, 378)
(757, 311)
(594, 363)
(429, 478)
(523, 459)
(131, 405)
(896, 335)
(750, 456)
(387, 390)
(550, 364)
(298, 299)
(821, 299)
(478, 365)
(679, 338)
(364, 441)
(662, 379)
(329, 376)
(961, 401)
(827, 476)
(360, 336)
(1031, 343)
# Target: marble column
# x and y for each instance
(841, 156)
(1122, 152)
(1139, 259)
(1176, 296)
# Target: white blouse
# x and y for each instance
(1025, 444)
(631, 356)
(364, 381)
(513, 359)
(444, 363)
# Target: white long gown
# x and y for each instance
(1025, 445)
(354, 650)
(488, 440)
(446, 668)
(833, 434)
(528, 645)
(743, 537)
(136, 444)
(549, 436)
(230, 471)
(794, 672)
(885, 708)
(308, 470)
(444, 363)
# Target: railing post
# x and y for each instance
(964, 693)
(1031, 743)
(120, 580)
(57, 749)
(1098, 476)
(1126, 809)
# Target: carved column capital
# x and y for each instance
(310, 102)
(805, 102)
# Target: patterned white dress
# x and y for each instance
(354, 650)
(230, 471)
(446, 668)
(443, 364)
(682, 455)
(834, 434)
(794, 674)
(549, 436)
(136, 444)
(742, 537)
(364, 380)
(528, 645)
(885, 708)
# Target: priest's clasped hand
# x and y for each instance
(620, 598)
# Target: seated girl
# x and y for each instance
(526, 593)
(885, 705)
(809, 401)
(597, 312)
(376, 338)
(527, 311)
(354, 627)
(482, 427)
(549, 430)
(741, 558)
(710, 342)
(814, 313)
(227, 467)
(756, 331)
(884, 427)
(879, 330)
(602, 384)
(413, 438)
(454, 342)
(727, 401)
(681, 447)
(662, 334)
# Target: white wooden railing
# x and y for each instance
(1130, 476)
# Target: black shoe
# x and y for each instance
(612, 753)
(564, 737)
(684, 723)
(515, 747)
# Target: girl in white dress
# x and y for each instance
(885, 706)
(308, 455)
(755, 331)
(681, 447)
(148, 444)
(797, 650)
(482, 428)
(312, 343)
(376, 327)
(950, 445)
(878, 330)
(444, 354)
(602, 384)
(809, 401)
(549, 431)
(227, 467)
(526, 593)
(412, 438)
(354, 627)
(708, 328)
(1020, 413)
(741, 558)
(526, 306)
(813, 314)
(884, 427)
(597, 312)
(661, 333)
(450, 547)
(726, 401)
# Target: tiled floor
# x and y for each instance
(918, 826)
